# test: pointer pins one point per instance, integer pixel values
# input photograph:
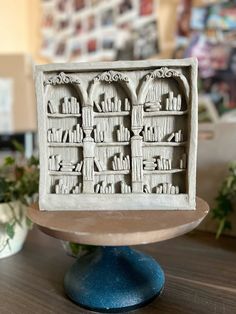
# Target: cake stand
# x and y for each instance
(114, 277)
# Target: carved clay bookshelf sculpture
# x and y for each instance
(127, 129)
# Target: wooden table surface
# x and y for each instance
(200, 277)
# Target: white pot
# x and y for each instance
(9, 246)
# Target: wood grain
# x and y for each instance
(118, 227)
(200, 277)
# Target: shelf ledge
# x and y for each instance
(64, 115)
(111, 114)
(146, 144)
(164, 113)
(163, 171)
(65, 144)
(111, 172)
(113, 144)
(64, 173)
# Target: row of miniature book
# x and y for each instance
(119, 162)
(161, 163)
(75, 135)
(70, 105)
(171, 103)
(109, 188)
(55, 163)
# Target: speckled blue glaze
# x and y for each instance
(114, 279)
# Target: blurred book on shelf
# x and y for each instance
(207, 30)
(84, 30)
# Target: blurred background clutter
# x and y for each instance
(45, 31)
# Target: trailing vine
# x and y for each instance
(19, 181)
(225, 201)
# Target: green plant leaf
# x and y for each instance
(10, 230)
(225, 201)
(5, 190)
(8, 161)
(75, 248)
(19, 180)
(18, 146)
(29, 223)
(33, 161)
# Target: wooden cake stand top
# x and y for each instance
(116, 228)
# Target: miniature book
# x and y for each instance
(117, 135)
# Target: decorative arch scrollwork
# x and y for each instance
(64, 78)
(61, 78)
(114, 77)
(164, 72)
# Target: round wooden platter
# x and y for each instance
(118, 228)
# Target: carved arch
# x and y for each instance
(114, 77)
(63, 78)
(164, 72)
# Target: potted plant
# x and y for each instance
(225, 201)
(19, 179)
(19, 182)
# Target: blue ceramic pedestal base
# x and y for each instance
(114, 279)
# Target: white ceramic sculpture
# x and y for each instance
(118, 135)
